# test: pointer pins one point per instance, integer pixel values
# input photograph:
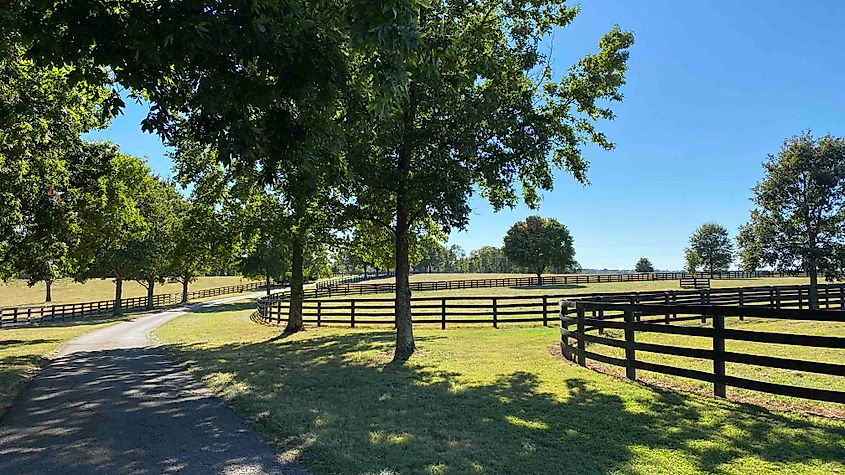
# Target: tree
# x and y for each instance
(114, 221)
(460, 96)
(44, 167)
(644, 265)
(713, 247)
(149, 258)
(538, 243)
(799, 222)
(267, 242)
(692, 261)
(750, 243)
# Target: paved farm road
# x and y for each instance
(112, 403)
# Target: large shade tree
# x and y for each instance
(799, 222)
(540, 243)
(458, 96)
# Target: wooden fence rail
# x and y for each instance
(523, 309)
(634, 318)
(15, 316)
(341, 287)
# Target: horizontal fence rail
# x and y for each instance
(347, 288)
(524, 309)
(351, 279)
(16, 316)
(585, 321)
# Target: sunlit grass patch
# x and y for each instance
(478, 400)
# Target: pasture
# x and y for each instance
(17, 293)
(478, 400)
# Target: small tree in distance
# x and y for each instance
(644, 265)
(713, 247)
(538, 243)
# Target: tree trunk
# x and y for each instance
(48, 284)
(813, 296)
(365, 270)
(267, 282)
(539, 276)
(404, 329)
(185, 279)
(118, 295)
(296, 292)
(151, 285)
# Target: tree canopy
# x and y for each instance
(711, 247)
(539, 243)
(644, 265)
(799, 221)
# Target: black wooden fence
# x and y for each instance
(347, 288)
(634, 318)
(524, 309)
(14, 316)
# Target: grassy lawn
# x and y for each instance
(478, 400)
(442, 277)
(24, 350)
(17, 293)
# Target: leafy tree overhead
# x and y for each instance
(460, 95)
(750, 243)
(713, 247)
(539, 243)
(644, 265)
(799, 222)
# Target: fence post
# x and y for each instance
(719, 355)
(319, 312)
(666, 302)
(582, 356)
(800, 299)
(777, 295)
(443, 314)
(495, 313)
(279, 312)
(545, 316)
(841, 296)
(741, 303)
(564, 330)
(630, 355)
(352, 313)
(15, 315)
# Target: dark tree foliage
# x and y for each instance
(539, 243)
(711, 247)
(799, 222)
(644, 265)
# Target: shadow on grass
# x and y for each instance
(339, 411)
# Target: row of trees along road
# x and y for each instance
(347, 113)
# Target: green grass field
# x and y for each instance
(18, 293)
(478, 400)
(25, 350)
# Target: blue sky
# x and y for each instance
(713, 87)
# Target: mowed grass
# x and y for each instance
(478, 400)
(18, 293)
(23, 351)
(442, 277)
(773, 375)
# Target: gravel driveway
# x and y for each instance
(110, 402)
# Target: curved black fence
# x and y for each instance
(493, 310)
(593, 316)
